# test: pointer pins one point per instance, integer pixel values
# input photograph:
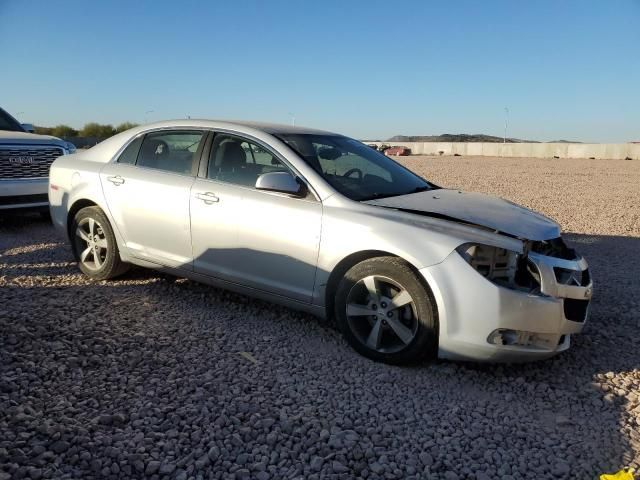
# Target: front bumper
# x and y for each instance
(22, 194)
(474, 313)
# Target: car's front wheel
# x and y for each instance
(386, 313)
(94, 245)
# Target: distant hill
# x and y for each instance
(464, 137)
(457, 137)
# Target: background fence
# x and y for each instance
(535, 150)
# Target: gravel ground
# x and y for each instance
(160, 378)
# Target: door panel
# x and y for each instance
(214, 229)
(279, 238)
(258, 239)
(151, 210)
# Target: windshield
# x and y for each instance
(7, 122)
(354, 169)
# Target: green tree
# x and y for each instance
(125, 126)
(42, 130)
(64, 131)
(90, 130)
(107, 131)
(97, 130)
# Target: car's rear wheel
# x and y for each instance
(386, 313)
(94, 245)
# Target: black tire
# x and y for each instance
(109, 264)
(421, 319)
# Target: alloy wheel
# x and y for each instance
(91, 243)
(381, 314)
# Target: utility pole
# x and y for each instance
(506, 118)
(293, 119)
(147, 113)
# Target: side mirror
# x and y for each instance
(28, 127)
(282, 182)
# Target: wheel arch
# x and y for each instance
(353, 259)
(75, 208)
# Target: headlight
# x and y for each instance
(70, 147)
(505, 268)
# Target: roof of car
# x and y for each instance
(275, 128)
(107, 149)
(270, 128)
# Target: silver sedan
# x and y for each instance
(323, 223)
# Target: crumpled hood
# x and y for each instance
(25, 138)
(477, 209)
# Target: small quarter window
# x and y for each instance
(130, 154)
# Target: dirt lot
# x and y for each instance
(146, 376)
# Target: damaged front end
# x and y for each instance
(526, 292)
(544, 268)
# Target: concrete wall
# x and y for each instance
(535, 150)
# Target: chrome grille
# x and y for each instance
(26, 161)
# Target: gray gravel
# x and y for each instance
(160, 378)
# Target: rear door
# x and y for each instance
(147, 191)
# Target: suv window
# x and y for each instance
(172, 151)
(7, 122)
(130, 154)
(236, 160)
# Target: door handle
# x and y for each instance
(117, 180)
(208, 197)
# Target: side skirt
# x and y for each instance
(315, 310)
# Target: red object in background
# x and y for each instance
(398, 151)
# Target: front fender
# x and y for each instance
(421, 241)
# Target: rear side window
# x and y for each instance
(130, 154)
(171, 151)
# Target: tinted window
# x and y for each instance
(172, 151)
(354, 169)
(130, 154)
(7, 122)
(236, 160)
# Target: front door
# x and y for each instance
(147, 192)
(260, 239)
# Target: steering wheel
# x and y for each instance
(351, 171)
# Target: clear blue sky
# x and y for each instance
(370, 69)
